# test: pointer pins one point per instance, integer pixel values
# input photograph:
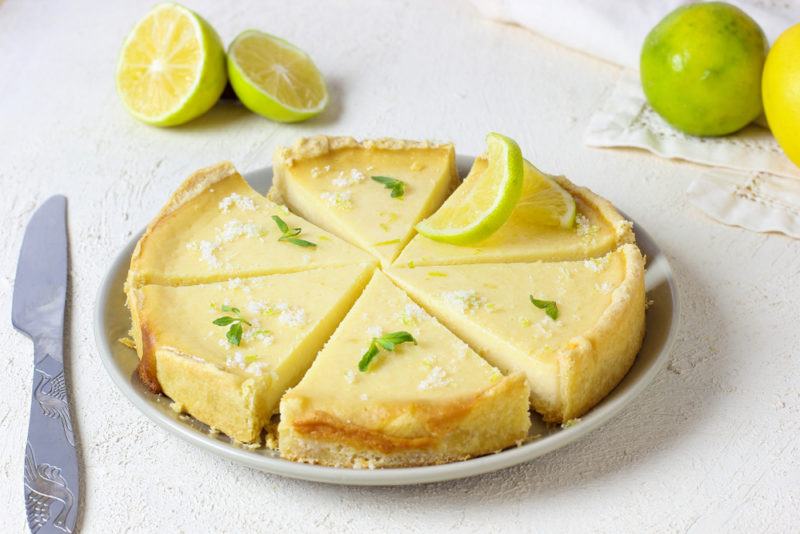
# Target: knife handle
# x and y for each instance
(51, 459)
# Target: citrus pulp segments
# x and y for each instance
(189, 58)
(274, 78)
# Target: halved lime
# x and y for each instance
(484, 201)
(543, 201)
(171, 68)
(274, 78)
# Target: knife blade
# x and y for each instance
(40, 289)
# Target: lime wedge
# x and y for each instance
(171, 68)
(482, 203)
(274, 78)
(543, 202)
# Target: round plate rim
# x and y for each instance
(608, 408)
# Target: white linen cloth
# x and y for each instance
(763, 196)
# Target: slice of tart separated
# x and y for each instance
(393, 387)
(598, 229)
(225, 352)
(370, 193)
(216, 227)
(573, 328)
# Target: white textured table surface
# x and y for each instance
(712, 443)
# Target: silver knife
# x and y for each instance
(40, 290)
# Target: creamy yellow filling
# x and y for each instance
(439, 368)
(335, 189)
(489, 306)
(226, 230)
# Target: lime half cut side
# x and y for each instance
(171, 68)
(484, 201)
(544, 202)
(274, 78)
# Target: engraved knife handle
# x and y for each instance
(51, 462)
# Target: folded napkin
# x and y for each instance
(763, 196)
(758, 201)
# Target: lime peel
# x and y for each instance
(483, 203)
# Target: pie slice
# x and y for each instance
(431, 402)
(573, 356)
(283, 320)
(599, 229)
(215, 227)
(370, 193)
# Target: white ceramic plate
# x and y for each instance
(112, 322)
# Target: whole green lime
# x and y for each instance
(701, 68)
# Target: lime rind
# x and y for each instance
(260, 101)
(504, 156)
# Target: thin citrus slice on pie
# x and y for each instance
(216, 227)
(393, 387)
(370, 193)
(274, 78)
(573, 328)
(225, 352)
(598, 229)
(544, 202)
(484, 201)
(171, 68)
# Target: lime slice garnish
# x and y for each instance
(484, 201)
(171, 68)
(274, 78)
(544, 202)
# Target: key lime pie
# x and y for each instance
(370, 193)
(428, 400)
(573, 353)
(226, 351)
(215, 227)
(391, 316)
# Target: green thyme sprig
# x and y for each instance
(393, 184)
(290, 234)
(549, 306)
(234, 333)
(388, 342)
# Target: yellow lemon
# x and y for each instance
(781, 92)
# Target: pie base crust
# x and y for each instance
(442, 433)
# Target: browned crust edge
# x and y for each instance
(439, 419)
(145, 342)
(147, 363)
